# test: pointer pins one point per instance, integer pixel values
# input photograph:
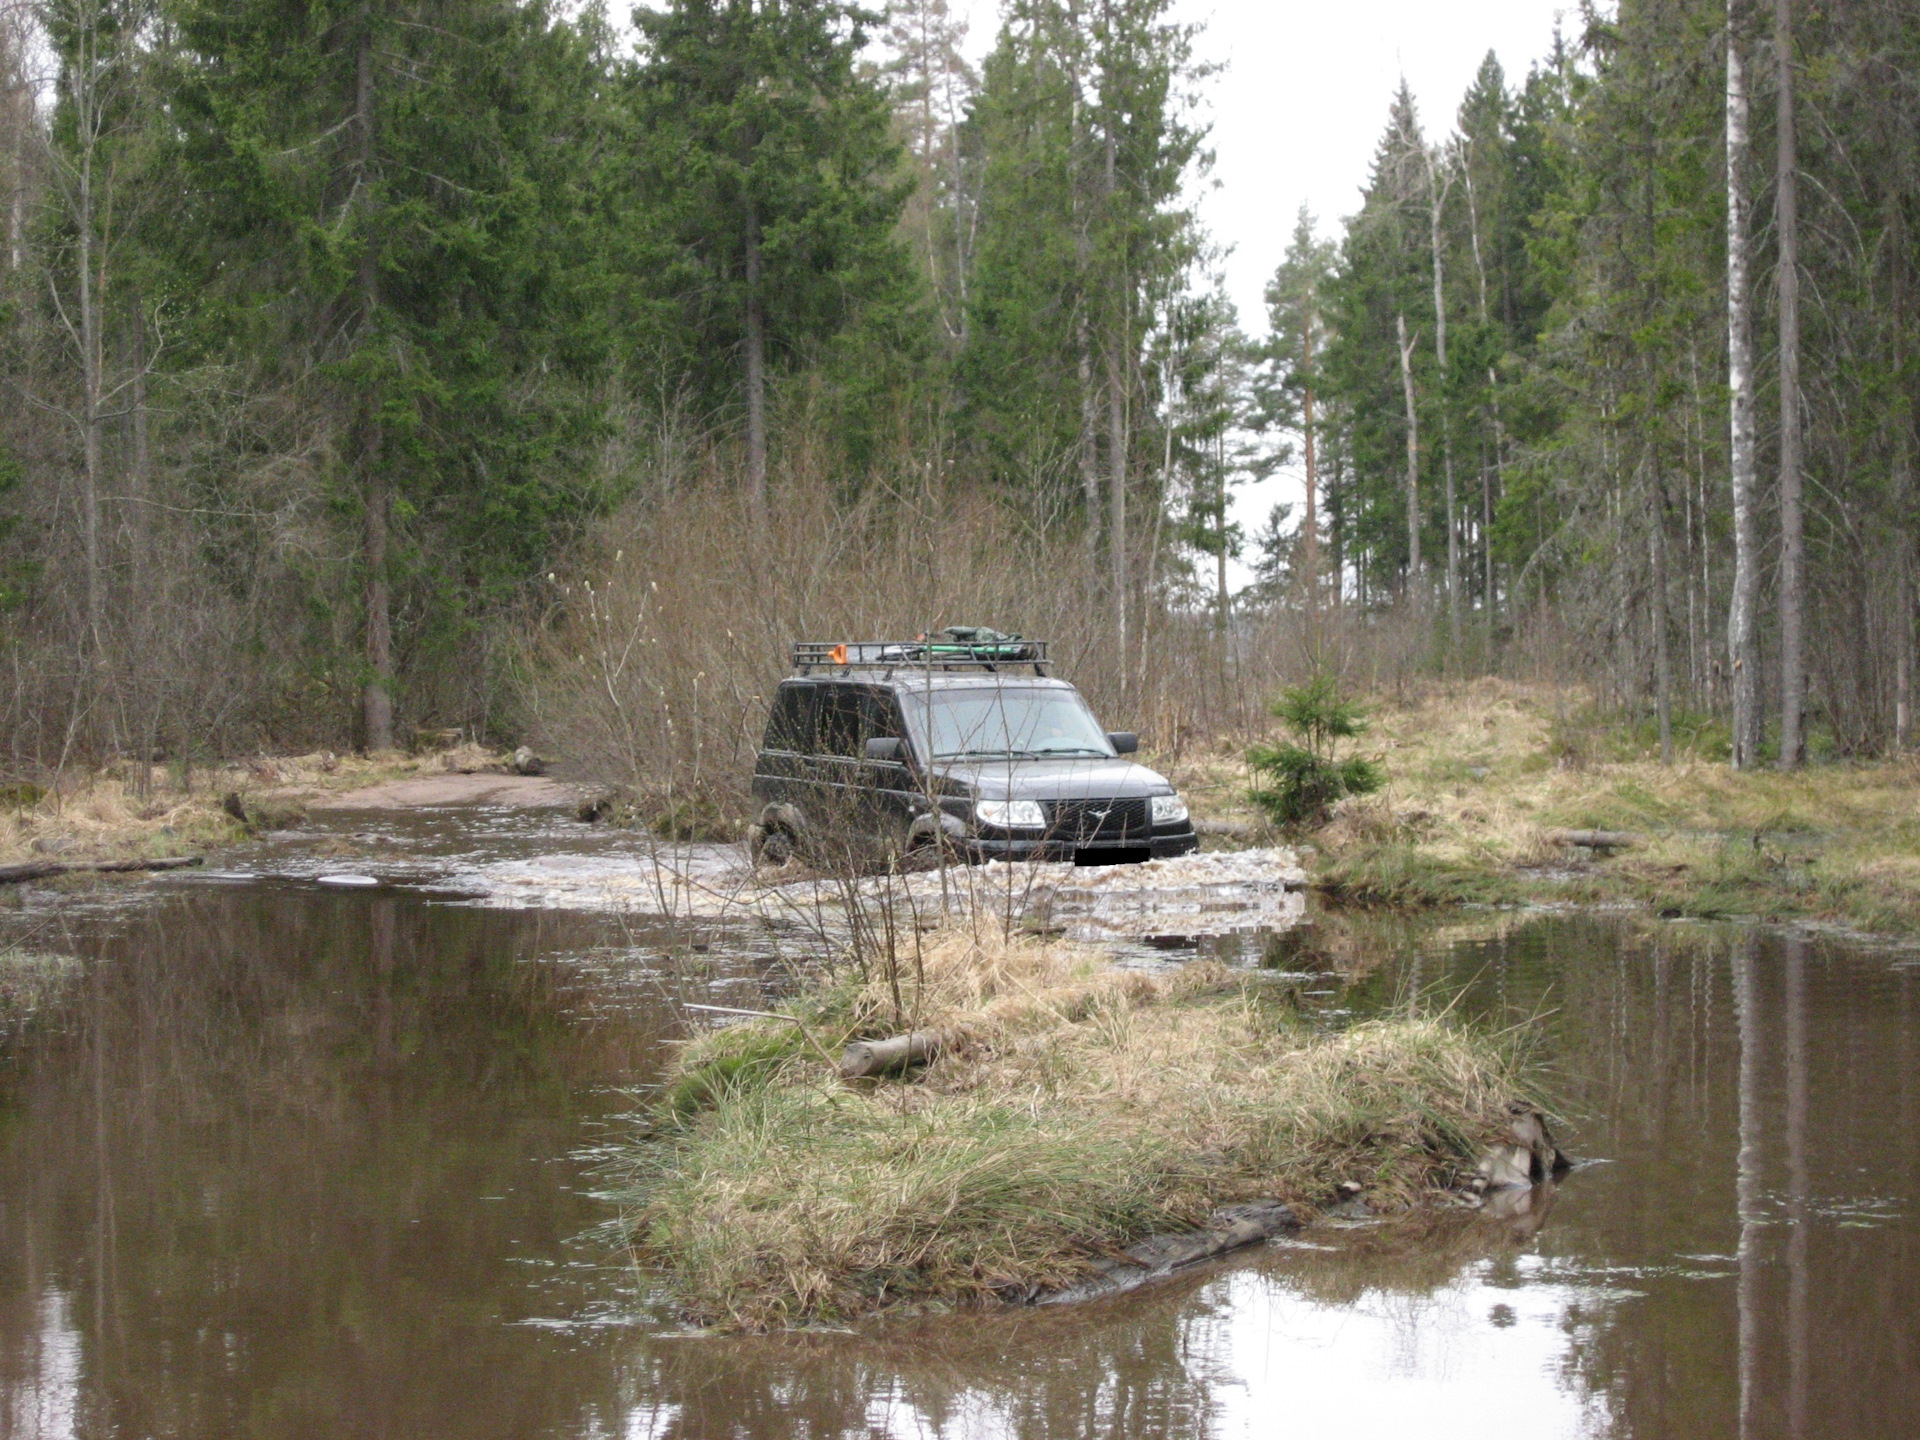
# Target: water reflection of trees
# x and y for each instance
(1129, 1368)
(242, 1174)
(246, 1165)
(1746, 1085)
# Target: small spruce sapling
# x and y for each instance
(1298, 781)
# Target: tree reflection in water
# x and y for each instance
(286, 1162)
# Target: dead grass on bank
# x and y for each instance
(127, 809)
(1481, 772)
(1077, 1107)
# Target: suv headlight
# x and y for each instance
(1010, 814)
(1168, 809)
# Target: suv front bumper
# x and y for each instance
(1161, 845)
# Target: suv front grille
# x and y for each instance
(1099, 822)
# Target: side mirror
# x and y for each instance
(884, 748)
(1124, 742)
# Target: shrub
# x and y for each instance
(1300, 780)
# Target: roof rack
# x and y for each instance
(935, 653)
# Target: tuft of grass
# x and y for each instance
(733, 1060)
(1407, 875)
(1077, 1107)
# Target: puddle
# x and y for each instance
(279, 1158)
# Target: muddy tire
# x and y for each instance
(928, 851)
(773, 847)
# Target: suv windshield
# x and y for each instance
(1012, 722)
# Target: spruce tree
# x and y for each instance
(765, 153)
(384, 213)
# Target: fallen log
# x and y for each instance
(42, 869)
(876, 1057)
(1596, 839)
(1159, 1256)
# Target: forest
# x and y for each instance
(393, 366)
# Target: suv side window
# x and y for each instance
(790, 726)
(881, 716)
(837, 727)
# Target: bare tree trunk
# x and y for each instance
(378, 706)
(1743, 649)
(1117, 449)
(1311, 525)
(1083, 264)
(1220, 555)
(16, 128)
(1488, 478)
(962, 206)
(1437, 199)
(1662, 657)
(1902, 506)
(91, 388)
(756, 358)
(1493, 407)
(376, 490)
(1148, 604)
(1336, 530)
(1787, 283)
(85, 74)
(140, 468)
(1699, 543)
(1089, 453)
(1117, 494)
(1413, 460)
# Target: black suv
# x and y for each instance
(900, 748)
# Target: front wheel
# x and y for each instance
(770, 846)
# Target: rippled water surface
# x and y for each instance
(282, 1159)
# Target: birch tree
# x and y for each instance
(1743, 645)
(1786, 217)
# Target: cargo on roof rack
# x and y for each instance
(985, 650)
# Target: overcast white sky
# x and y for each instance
(1298, 107)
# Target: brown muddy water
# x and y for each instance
(284, 1159)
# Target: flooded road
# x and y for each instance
(285, 1159)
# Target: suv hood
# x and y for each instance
(1075, 778)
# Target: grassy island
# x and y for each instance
(1073, 1108)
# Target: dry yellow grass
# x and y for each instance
(118, 811)
(1075, 1108)
(1480, 773)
